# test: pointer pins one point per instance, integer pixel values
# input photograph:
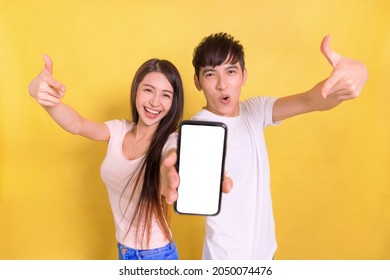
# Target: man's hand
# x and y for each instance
(348, 76)
(44, 88)
(170, 179)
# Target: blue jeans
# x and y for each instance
(167, 252)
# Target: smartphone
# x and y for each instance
(201, 153)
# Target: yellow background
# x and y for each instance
(330, 171)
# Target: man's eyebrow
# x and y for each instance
(208, 69)
(232, 66)
(227, 66)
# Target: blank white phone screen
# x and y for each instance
(200, 168)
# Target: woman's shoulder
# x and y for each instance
(120, 124)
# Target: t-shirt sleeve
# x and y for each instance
(116, 128)
(262, 107)
(170, 144)
(113, 125)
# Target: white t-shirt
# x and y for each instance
(244, 229)
(116, 171)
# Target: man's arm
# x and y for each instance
(48, 92)
(345, 82)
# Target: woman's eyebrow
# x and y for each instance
(153, 87)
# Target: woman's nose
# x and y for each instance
(154, 100)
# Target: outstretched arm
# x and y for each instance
(48, 92)
(170, 179)
(345, 82)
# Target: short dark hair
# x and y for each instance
(215, 49)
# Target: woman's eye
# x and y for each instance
(167, 95)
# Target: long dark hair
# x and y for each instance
(150, 204)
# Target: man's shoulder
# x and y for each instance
(201, 115)
(257, 102)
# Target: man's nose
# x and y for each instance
(221, 82)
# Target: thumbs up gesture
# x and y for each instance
(347, 78)
(44, 88)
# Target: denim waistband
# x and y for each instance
(168, 251)
(169, 246)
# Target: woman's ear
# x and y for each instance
(197, 83)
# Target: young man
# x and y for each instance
(244, 228)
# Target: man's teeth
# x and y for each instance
(152, 111)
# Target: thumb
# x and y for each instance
(332, 57)
(48, 63)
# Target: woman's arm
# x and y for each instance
(48, 92)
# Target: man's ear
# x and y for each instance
(197, 83)
(244, 76)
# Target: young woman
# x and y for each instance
(136, 148)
